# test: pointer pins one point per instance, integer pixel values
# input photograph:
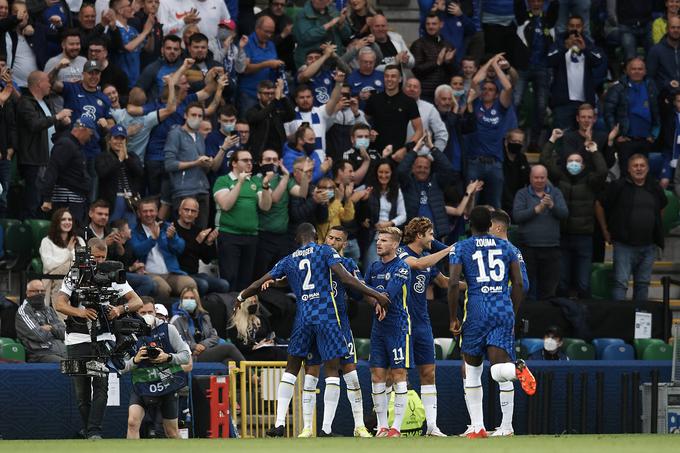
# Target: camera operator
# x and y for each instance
(91, 392)
(158, 372)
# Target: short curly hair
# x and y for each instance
(417, 225)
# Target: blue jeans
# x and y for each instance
(577, 256)
(142, 284)
(635, 260)
(540, 80)
(634, 36)
(492, 175)
(574, 7)
(209, 284)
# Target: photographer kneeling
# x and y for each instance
(91, 392)
(158, 372)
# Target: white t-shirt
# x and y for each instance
(575, 73)
(24, 61)
(171, 14)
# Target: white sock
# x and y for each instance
(428, 395)
(475, 395)
(283, 397)
(400, 400)
(507, 399)
(330, 402)
(467, 406)
(354, 397)
(503, 372)
(388, 391)
(309, 400)
(380, 403)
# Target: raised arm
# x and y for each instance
(428, 260)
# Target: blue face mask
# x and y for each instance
(228, 127)
(458, 93)
(189, 305)
(574, 168)
(362, 143)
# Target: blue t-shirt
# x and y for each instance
(155, 150)
(487, 140)
(256, 54)
(129, 61)
(94, 104)
(420, 280)
(309, 275)
(213, 141)
(322, 85)
(359, 82)
(486, 264)
(391, 278)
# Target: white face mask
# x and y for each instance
(193, 123)
(150, 319)
(550, 344)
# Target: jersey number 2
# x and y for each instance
(306, 265)
(496, 266)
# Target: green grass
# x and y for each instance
(548, 444)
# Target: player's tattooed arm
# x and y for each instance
(454, 292)
(354, 283)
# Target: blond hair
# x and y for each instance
(244, 321)
(391, 231)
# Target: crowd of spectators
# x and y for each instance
(182, 132)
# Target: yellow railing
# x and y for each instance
(253, 389)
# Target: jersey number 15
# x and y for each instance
(496, 266)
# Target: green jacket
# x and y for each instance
(310, 34)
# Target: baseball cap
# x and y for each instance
(161, 310)
(85, 121)
(118, 131)
(229, 23)
(92, 65)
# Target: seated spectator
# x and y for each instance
(121, 250)
(267, 118)
(538, 210)
(552, 346)
(72, 71)
(58, 250)
(318, 23)
(157, 245)
(516, 168)
(468, 67)
(304, 145)
(434, 57)
(670, 142)
(99, 224)
(39, 329)
(252, 333)
(193, 323)
(347, 115)
(360, 156)
(120, 174)
(200, 245)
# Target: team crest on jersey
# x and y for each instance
(99, 102)
(378, 83)
(387, 276)
(253, 187)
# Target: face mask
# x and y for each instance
(223, 33)
(361, 143)
(150, 319)
(37, 302)
(188, 305)
(550, 344)
(227, 128)
(267, 168)
(193, 123)
(309, 147)
(458, 93)
(514, 148)
(574, 168)
(252, 309)
(331, 193)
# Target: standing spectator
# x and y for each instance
(366, 79)
(359, 156)
(238, 195)
(429, 117)
(498, 25)
(574, 8)
(70, 50)
(152, 51)
(574, 141)
(111, 73)
(392, 45)
(200, 245)
(262, 63)
(203, 61)
(423, 180)
(360, 14)
(535, 30)
(391, 112)
(310, 207)
(187, 164)
(632, 104)
(348, 115)
(317, 73)
(266, 119)
(283, 31)
(158, 246)
(39, 329)
(485, 153)
(318, 23)
(220, 143)
(66, 182)
(151, 79)
(629, 214)
(660, 24)
(212, 13)
(272, 240)
(120, 174)
(8, 134)
(630, 23)
(129, 56)
(98, 227)
(27, 43)
(341, 201)
(573, 62)
(538, 210)
(304, 144)
(456, 25)
(175, 15)
(457, 121)
(516, 168)
(580, 183)
(661, 64)
(58, 250)
(434, 57)
(37, 122)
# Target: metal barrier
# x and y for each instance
(254, 387)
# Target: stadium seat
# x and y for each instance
(36, 266)
(642, 343)
(39, 229)
(601, 343)
(566, 342)
(601, 278)
(5, 340)
(363, 346)
(658, 351)
(671, 213)
(12, 353)
(532, 344)
(620, 351)
(580, 351)
(6, 223)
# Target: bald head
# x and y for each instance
(538, 178)
(674, 28)
(39, 84)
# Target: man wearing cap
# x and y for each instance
(66, 182)
(85, 99)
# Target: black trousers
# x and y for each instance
(237, 259)
(271, 247)
(91, 393)
(543, 268)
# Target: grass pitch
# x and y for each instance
(549, 444)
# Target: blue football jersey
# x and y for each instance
(486, 265)
(393, 279)
(522, 267)
(309, 275)
(339, 291)
(420, 280)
